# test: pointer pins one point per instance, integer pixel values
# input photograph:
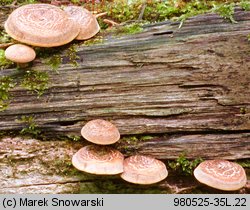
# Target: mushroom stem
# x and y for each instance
(22, 65)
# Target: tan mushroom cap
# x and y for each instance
(140, 169)
(100, 132)
(87, 22)
(96, 159)
(20, 53)
(42, 25)
(221, 174)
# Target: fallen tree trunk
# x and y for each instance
(188, 88)
(32, 166)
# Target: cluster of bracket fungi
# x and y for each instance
(140, 169)
(46, 25)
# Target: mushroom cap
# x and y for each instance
(87, 22)
(42, 25)
(100, 132)
(140, 169)
(97, 159)
(221, 174)
(20, 53)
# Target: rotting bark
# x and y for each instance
(188, 88)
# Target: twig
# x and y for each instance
(111, 23)
(5, 45)
(14, 3)
(142, 11)
(101, 14)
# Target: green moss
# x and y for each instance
(4, 37)
(244, 163)
(54, 62)
(65, 167)
(226, 11)
(184, 166)
(8, 2)
(94, 41)
(245, 5)
(135, 139)
(127, 29)
(75, 1)
(243, 110)
(31, 128)
(73, 137)
(156, 10)
(4, 63)
(71, 54)
(146, 138)
(6, 84)
(35, 81)
(115, 185)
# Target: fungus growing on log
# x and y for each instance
(86, 21)
(20, 53)
(221, 174)
(100, 132)
(100, 160)
(140, 169)
(42, 25)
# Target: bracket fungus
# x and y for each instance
(20, 53)
(140, 169)
(100, 160)
(87, 22)
(41, 25)
(221, 174)
(100, 132)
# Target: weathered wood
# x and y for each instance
(197, 80)
(32, 166)
(209, 146)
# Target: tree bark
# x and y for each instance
(186, 87)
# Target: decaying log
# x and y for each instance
(32, 166)
(186, 87)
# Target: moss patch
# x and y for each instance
(4, 63)
(35, 81)
(94, 41)
(54, 62)
(245, 4)
(6, 84)
(133, 28)
(31, 128)
(71, 54)
(244, 163)
(184, 166)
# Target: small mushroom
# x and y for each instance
(140, 169)
(221, 174)
(100, 160)
(87, 22)
(42, 25)
(20, 53)
(100, 132)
